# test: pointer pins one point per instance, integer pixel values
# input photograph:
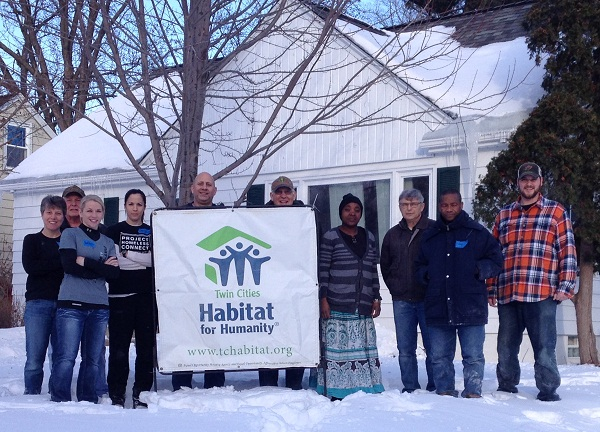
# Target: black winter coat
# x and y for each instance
(453, 264)
(399, 251)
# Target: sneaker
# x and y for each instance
(472, 396)
(137, 403)
(452, 393)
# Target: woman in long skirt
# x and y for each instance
(349, 300)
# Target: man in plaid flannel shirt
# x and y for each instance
(540, 268)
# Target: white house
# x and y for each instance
(443, 97)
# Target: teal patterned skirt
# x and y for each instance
(351, 359)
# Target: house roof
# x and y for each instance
(444, 60)
(479, 27)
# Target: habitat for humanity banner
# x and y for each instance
(236, 288)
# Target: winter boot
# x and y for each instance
(118, 400)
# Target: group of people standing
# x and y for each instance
(442, 276)
(68, 264)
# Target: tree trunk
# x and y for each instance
(195, 81)
(588, 351)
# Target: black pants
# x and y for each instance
(293, 377)
(131, 314)
(211, 379)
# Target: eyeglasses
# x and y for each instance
(283, 191)
(410, 204)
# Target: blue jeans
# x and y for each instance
(539, 318)
(71, 326)
(443, 347)
(101, 381)
(407, 315)
(39, 330)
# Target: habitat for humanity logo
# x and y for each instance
(244, 251)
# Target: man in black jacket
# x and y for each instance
(203, 190)
(399, 250)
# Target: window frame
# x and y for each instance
(26, 148)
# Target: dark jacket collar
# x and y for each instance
(422, 224)
(463, 220)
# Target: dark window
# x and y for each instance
(111, 216)
(375, 196)
(447, 178)
(256, 195)
(422, 185)
(16, 149)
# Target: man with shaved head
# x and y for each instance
(203, 189)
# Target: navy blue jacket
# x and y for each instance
(453, 263)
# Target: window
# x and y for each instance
(420, 183)
(255, 195)
(111, 215)
(447, 178)
(16, 148)
(375, 196)
(573, 347)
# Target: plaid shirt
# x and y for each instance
(539, 252)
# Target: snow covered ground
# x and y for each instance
(242, 406)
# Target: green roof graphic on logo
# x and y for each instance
(220, 238)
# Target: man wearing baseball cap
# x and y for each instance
(282, 194)
(539, 271)
(72, 196)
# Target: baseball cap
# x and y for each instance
(531, 169)
(282, 182)
(73, 190)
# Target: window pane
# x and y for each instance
(375, 196)
(16, 136)
(14, 155)
(422, 185)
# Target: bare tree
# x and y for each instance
(189, 67)
(46, 50)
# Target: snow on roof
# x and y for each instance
(88, 145)
(496, 79)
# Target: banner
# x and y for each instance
(236, 288)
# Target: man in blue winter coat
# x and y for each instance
(457, 256)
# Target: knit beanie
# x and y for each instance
(347, 199)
